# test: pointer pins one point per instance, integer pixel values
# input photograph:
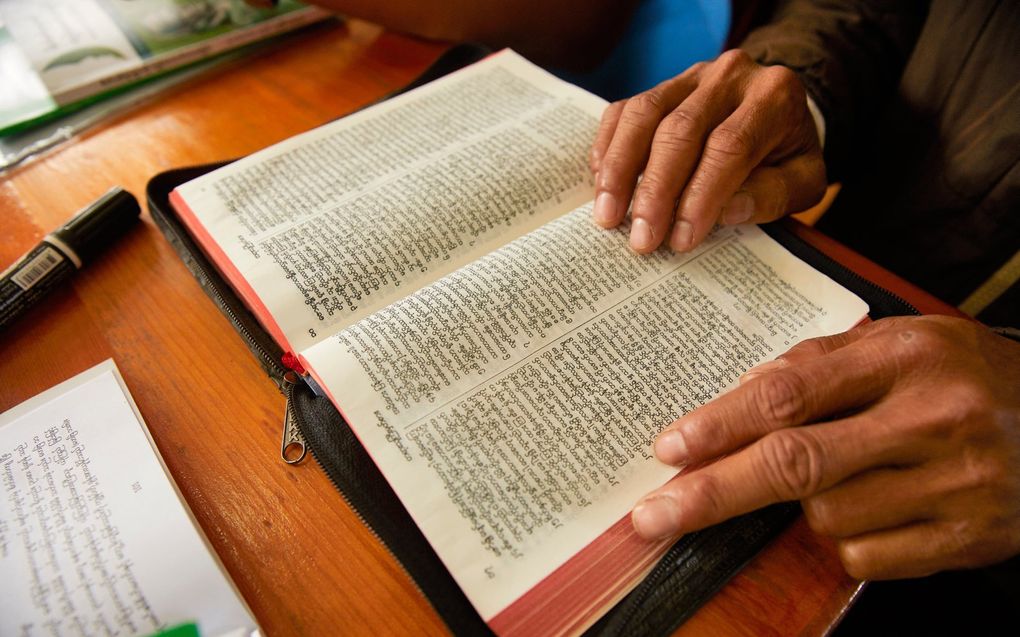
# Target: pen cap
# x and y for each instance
(95, 227)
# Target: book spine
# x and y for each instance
(193, 53)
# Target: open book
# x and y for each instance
(506, 363)
(95, 539)
(59, 55)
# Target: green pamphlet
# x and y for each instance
(59, 55)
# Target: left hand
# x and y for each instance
(901, 439)
(727, 141)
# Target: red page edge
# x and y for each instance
(228, 269)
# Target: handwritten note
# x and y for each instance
(94, 538)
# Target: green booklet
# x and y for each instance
(58, 55)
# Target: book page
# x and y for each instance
(82, 48)
(94, 538)
(512, 405)
(330, 226)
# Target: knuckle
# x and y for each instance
(680, 128)
(704, 496)
(733, 59)
(791, 462)
(949, 420)
(906, 350)
(653, 199)
(728, 143)
(697, 68)
(644, 106)
(780, 399)
(983, 474)
(916, 344)
(781, 81)
(966, 543)
(812, 347)
(613, 171)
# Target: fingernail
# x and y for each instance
(641, 235)
(604, 212)
(656, 517)
(683, 235)
(670, 447)
(739, 209)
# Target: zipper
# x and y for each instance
(695, 569)
(877, 289)
(293, 440)
(287, 380)
(293, 447)
(293, 423)
(830, 264)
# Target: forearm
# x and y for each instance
(849, 55)
(569, 33)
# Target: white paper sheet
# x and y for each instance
(94, 537)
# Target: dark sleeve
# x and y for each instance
(848, 53)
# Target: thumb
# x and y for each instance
(771, 192)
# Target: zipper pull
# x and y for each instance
(293, 441)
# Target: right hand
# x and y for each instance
(900, 438)
(728, 141)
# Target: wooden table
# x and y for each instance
(301, 558)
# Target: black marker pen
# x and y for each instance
(64, 251)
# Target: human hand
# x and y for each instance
(726, 141)
(901, 439)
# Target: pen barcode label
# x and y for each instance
(37, 268)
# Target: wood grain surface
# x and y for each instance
(303, 561)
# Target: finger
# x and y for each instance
(793, 395)
(808, 349)
(732, 149)
(915, 550)
(628, 149)
(738, 145)
(771, 192)
(607, 126)
(925, 489)
(789, 464)
(875, 500)
(675, 150)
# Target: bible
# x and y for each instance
(431, 266)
